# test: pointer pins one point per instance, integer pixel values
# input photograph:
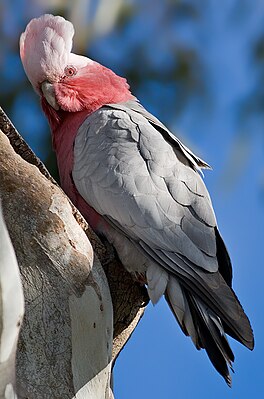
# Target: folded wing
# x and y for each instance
(131, 170)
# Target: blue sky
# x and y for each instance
(159, 361)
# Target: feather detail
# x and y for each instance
(196, 162)
(213, 338)
(178, 303)
(91, 88)
(45, 47)
(202, 325)
(157, 280)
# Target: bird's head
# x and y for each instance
(66, 81)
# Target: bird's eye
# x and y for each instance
(70, 71)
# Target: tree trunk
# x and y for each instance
(11, 312)
(73, 326)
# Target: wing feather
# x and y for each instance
(148, 187)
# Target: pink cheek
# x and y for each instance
(67, 98)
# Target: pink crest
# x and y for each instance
(45, 48)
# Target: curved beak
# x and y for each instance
(49, 93)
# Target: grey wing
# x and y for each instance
(195, 162)
(126, 170)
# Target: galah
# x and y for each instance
(137, 185)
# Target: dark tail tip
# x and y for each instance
(212, 337)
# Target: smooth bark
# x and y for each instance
(11, 312)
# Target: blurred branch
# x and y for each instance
(102, 22)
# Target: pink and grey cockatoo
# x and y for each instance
(138, 186)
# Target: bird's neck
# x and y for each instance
(63, 136)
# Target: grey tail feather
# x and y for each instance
(209, 333)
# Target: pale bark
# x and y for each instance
(66, 345)
(11, 312)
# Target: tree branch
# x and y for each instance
(11, 312)
(65, 290)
